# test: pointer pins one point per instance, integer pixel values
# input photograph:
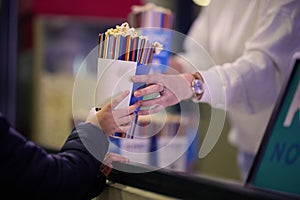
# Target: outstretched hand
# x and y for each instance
(106, 166)
(171, 89)
(113, 120)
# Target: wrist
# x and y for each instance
(92, 117)
(188, 80)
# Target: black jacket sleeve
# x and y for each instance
(27, 170)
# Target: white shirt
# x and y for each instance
(251, 43)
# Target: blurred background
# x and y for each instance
(43, 44)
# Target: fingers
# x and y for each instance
(106, 167)
(143, 78)
(133, 107)
(112, 157)
(153, 109)
(127, 111)
(123, 128)
(118, 120)
(122, 112)
(154, 105)
(126, 120)
(123, 117)
(106, 170)
(152, 102)
(119, 98)
(150, 89)
(151, 78)
(124, 124)
(155, 84)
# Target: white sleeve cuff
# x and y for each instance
(214, 90)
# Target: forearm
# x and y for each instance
(74, 172)
(252, 81)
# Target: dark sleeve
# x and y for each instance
(28, 170)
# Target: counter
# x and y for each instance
(174, 185)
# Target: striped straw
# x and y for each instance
(119, 46)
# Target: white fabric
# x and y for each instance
(252, 43)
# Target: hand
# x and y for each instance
(106, 166)
(171, 89)
(113, 120)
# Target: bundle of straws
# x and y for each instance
(124, 43)
(151, 15)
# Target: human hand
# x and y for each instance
(106, 166)
(113, 120)
(171, 89)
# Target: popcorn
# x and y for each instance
(125, 43)
(123, 30)
(116, 45)
(158, 47)
(151, 15)
(150, 6)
